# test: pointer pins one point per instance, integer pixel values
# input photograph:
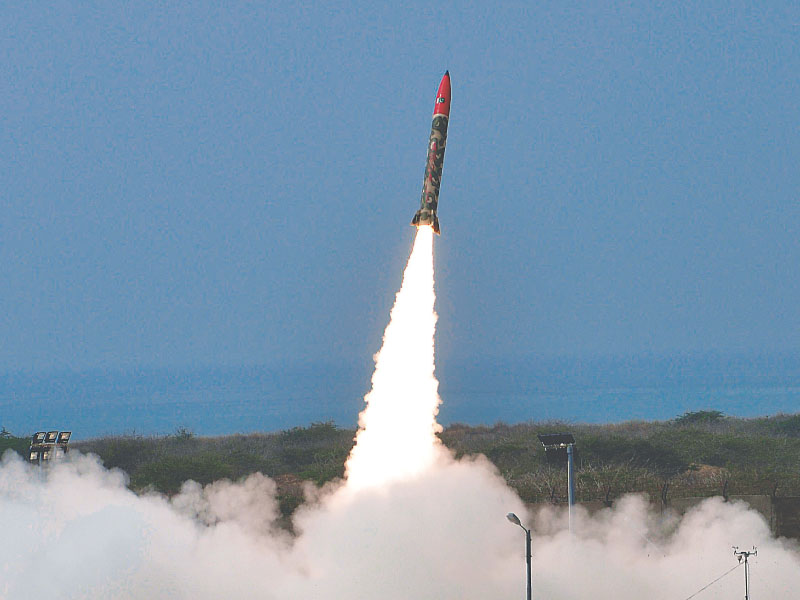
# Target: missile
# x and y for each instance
(426, 215)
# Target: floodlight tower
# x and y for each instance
(557, 442)
(36, 448)
(743, 555)
(46, 445)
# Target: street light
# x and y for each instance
(515, 520)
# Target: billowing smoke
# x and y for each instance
(409, 521)
(78, 532)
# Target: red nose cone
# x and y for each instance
(442, 106)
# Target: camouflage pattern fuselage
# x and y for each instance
(426, 215)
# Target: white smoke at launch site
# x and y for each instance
(80, 533)
(409, 522)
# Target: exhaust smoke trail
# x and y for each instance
(397, 429)
(410, 521)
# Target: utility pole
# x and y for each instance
(560, 442)
(570, 482)
(744, 555)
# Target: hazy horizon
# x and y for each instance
(270, 398)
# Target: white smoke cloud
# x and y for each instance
(75, 530)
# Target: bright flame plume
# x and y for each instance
(397, 429)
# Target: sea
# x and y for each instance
(224, 400)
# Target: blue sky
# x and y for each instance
(190, 185)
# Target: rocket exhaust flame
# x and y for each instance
(397, 429)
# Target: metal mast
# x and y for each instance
(744, 555)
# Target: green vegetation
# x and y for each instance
(315, 453)
(696, 454)
(9, 442)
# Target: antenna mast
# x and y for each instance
(744, 555)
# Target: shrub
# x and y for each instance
(168, 473)
(787, 425)
(640, 453)
(18, 445)
(316, 432)
(700, 417)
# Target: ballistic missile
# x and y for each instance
(426, 215)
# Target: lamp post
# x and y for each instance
(515, 520)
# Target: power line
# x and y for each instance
(705, 587)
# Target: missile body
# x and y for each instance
(426, 215)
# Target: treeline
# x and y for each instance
(697, 454)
